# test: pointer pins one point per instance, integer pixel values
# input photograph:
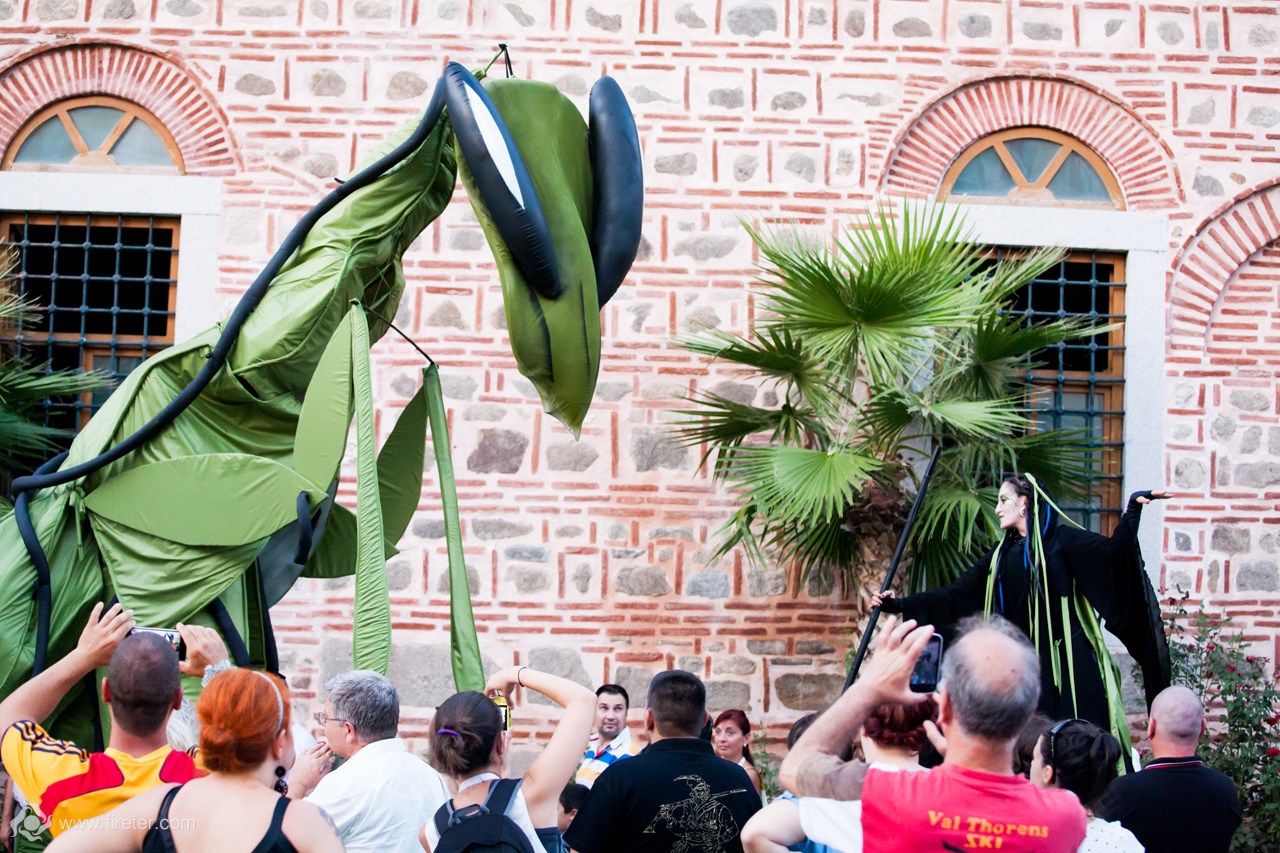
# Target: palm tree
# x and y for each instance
(24, 438)
(899, 338)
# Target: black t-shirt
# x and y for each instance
(675, 795)
(1175, 805)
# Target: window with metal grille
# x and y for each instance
(106, 286)
(1079, 384)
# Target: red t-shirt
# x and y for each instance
(952, 808)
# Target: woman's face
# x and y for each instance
(728, 740)
(1010, 508)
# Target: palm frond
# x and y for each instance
(956, 523)
(775, 353)
(796, 483)
(22, 384)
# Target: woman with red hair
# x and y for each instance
(246, 747)
(730, 738)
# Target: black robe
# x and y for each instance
(1107, 571)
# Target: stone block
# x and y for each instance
(808, 691)
(975, 26)
(1249, 401)
(499, 528)
(1258, 475)
(653, 449)
(1223, 428)
(706, 247)
(529, 579)
(814, 647)
(1230, 540)
(1259, 576)
(473, 581)
(1189, 473)
(676, 164)
(557, 660)
(421, 672)
(428, 528)
(580, 577)
(571, 457)
(405, 85)
(1181, 542)
(751, 20)
(735, 665)
(527, 553)
(635, 680)
(1251, 440)
(399, 575)
(723, 695)
(912, 28)
(499, 451)
(766, 582)
(691, 663)
(643, 580)
(767, 647)
(708, 585)
(1273, 441)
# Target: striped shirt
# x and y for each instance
(65, 784)
(597, 760)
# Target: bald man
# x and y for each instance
(989, 688)
(1176, 803)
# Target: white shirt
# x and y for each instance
(380, 798)
(1109, 837)
(837, 823)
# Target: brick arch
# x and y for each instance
(1142, 163)
(169, 91)
(1212, 257)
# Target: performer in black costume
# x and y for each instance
(1054, 580)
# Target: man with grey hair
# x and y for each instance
(382, 794)
(989, 688)
(1176, 803)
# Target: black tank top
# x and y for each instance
(159, 838)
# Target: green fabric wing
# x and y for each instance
(400, 465)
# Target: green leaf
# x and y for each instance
(400, 467)
(321, 437)
(334, 556)
(222, 499)
(371, 620)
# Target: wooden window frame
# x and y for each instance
(98, 158)
(1037, 192)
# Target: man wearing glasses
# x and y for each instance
(989, 687)
(382, 794)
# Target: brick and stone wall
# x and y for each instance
(592, 558)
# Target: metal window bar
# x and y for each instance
(106, 286)
(1079, 384)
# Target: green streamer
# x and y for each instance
(371, 622)
(464, 645)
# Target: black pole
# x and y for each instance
(893, 565)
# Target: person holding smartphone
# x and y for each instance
(470, 745)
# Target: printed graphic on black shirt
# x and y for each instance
(700, 824)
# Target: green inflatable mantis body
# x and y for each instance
(205, 485)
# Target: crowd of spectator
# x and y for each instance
(229, 774)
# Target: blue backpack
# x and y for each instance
(483, 826)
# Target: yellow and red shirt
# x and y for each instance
(66, 784)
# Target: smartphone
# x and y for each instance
(924, 678)
(170, 636)
(504, 709)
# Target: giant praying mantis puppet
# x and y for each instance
(204, 487)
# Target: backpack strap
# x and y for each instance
(501, 794)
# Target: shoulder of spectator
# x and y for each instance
(831, 777)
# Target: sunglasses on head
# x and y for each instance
(1053, 735)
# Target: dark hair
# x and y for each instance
(1024, 748)
(143, 678)
(463, 733)
(1084, 759)
(799, 727)
(1037, 508)
(902, 726)
(614, 688)
(241, 712)
(739, 719)
(678, 701)
(992, 702)
(573, 796)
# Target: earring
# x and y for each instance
(1022, 513)
(281, 787)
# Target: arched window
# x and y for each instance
(106, 283)
(1032, 165)
(1078, 385)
